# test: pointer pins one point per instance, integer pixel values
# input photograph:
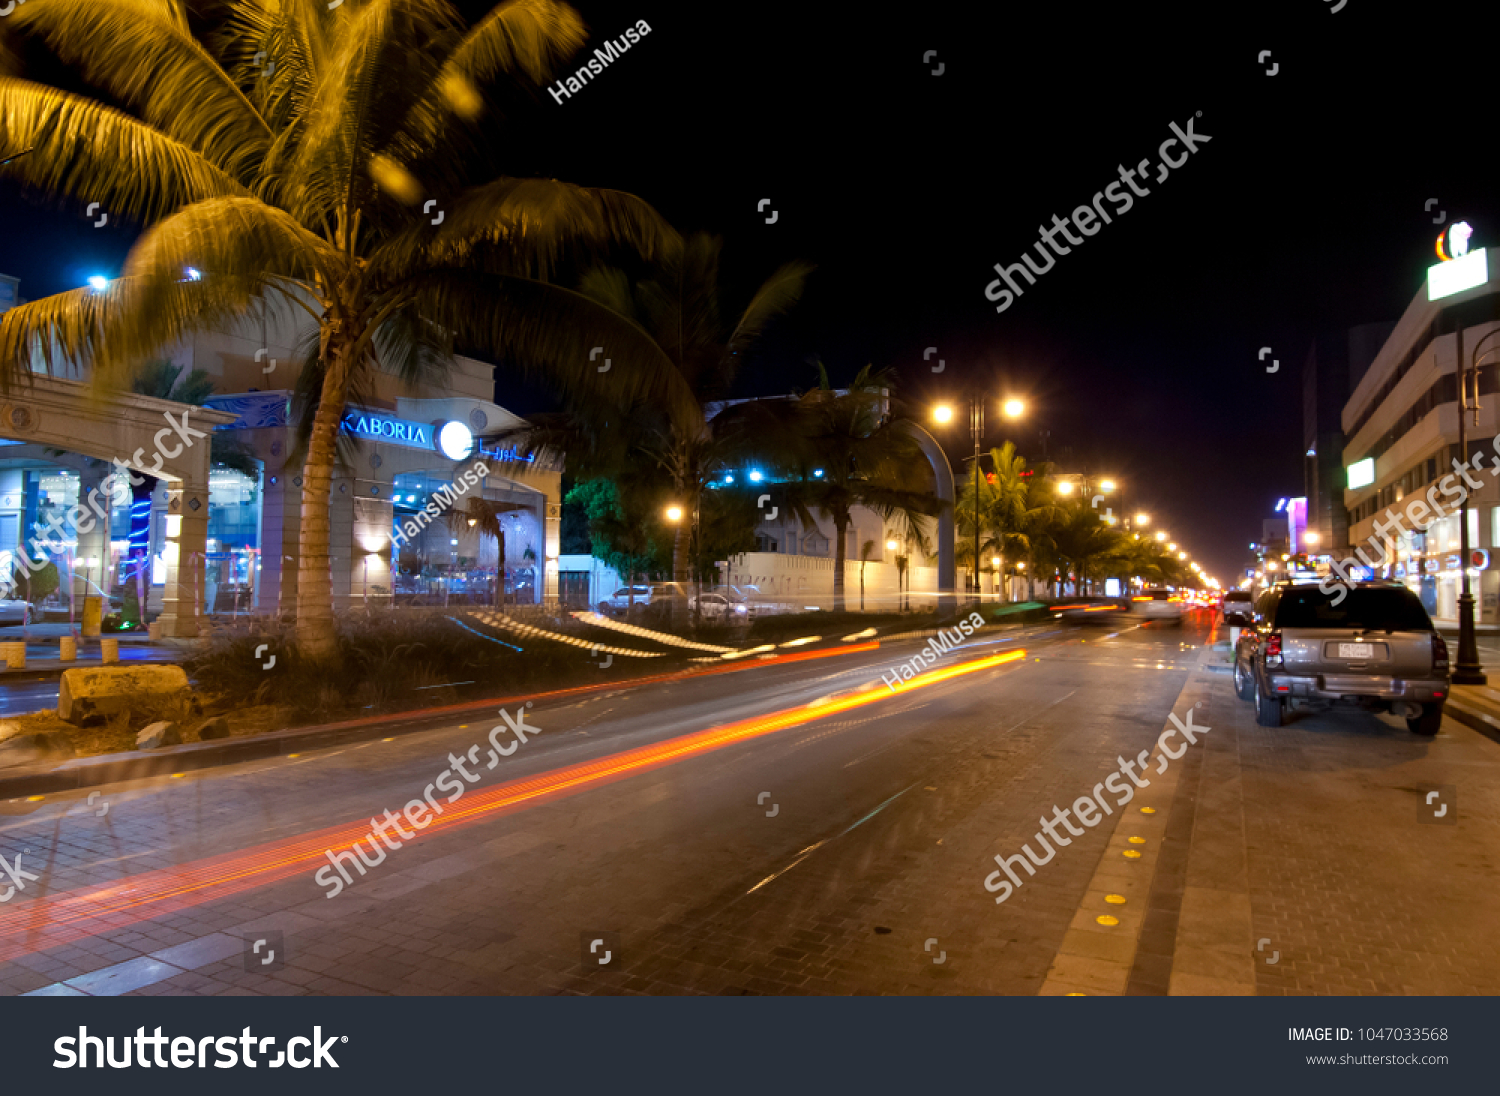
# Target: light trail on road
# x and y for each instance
(51, 921)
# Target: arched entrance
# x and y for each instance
(125, 434)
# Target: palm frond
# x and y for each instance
(141, 52)
(549, 333)
(93, 153)
(525, 225)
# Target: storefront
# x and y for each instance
(398, 464)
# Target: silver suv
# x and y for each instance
(1375, 649)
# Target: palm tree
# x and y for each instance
(1083, 539)
(676, 320)
(866, 550)
(844, 449)
(910, 534)
(287, 158)
(483, 517)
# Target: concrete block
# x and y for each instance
(91, 694)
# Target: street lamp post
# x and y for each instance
(1467, 671)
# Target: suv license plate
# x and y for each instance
(1356, 650)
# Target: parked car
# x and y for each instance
(1376, 649)
(650, 604)
(16, 612)
(1158, 605)
(1238, 606)
(625, 600)
(718, 606)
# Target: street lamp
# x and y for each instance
(1143, 519)
(943, 413)
(1106, 485)
(1014, 409)
(674, 514)
(1065, 487)
(1161, 534)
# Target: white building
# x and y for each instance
(1401, 431)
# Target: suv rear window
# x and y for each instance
(1371, 609)
(1237, 595)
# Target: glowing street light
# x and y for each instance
(1013, 409)
(674, 513)
(1161, 534)
(1106, 485)
(1182, 555)
(98, 283)
(1171, 547)
(1310, 537)
(943, 413)
(1065, 487)
(1143, 519)
(891, 546)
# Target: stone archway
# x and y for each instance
(137, 434)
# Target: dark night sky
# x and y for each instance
(1138, 351)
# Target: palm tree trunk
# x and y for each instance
(500, 568)
(839, 557)
(316, 635)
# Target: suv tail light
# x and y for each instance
(1273, 650)
(1439, 653)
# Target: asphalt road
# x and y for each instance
(838, 852)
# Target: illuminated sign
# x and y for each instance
(1479, 559)
(1362, 473)
(455, 440)
(417, 435)
(1456, 275)
(1453, 241)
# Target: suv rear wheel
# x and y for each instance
(1429, 722)
(1270, 711)
(1244, 688)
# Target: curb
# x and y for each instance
(1486, 725)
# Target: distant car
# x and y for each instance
(1376, 649)
(626, 600)
(16, 612)
(720, 607)
(650, 604)
(1158, 605)
(1081, 609)
(1238, 607)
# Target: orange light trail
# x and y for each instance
(49, 922)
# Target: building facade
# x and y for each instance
(223, 538)
(1401, 426)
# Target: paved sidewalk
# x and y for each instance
(1344, 854)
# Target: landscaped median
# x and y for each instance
(72, 757)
